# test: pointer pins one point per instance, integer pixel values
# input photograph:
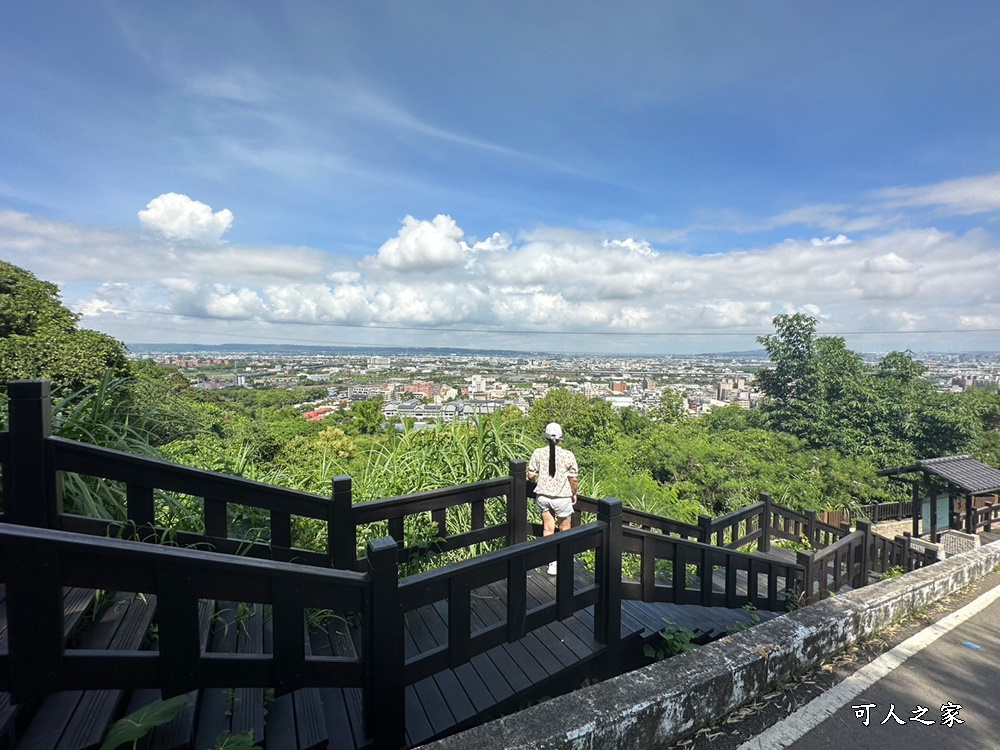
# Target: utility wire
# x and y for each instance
(516, 331)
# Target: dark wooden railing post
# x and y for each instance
(905, 553)
(608, 623)
(764, 543)
(34, 620)
(865, 527)
(705, 523)
(179, 643)
(811, 528)
(805, 559)
(970, 514)
(517, 504)
(382, 648)
(342, 533)
(35, 496)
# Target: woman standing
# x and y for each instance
(556, 473)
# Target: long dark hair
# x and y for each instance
(552, 458)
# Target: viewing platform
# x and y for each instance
(335, 647)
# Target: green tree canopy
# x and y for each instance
(585, 422)
(822, 392)
(366, 416)
(39, 337)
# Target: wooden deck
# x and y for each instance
(552, 660)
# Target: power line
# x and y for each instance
(516, 331)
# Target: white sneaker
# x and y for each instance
(553, 569)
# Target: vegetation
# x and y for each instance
(39, 337)
(829, 423)
(825, 394)
(674, 640)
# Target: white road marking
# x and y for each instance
(795, 725)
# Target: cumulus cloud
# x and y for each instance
(177, 217)
(888, 263)
(430, 276)
(495, 243)
(225, 302)
(424, 246)
(642, 247)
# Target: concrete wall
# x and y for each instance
(664, 702)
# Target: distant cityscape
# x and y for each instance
(428, 386)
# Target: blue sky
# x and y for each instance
(638, 176)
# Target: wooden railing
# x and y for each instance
(508, 492)
(37, 563)
(455, 584)
(763, 521)
(853, 558)
(33, 497)
(795, 526)
(984, 518)
(43, 549)
(677, 562)
(685, 572)
(899, 552)
(640, 520)
(893, 511)
(843, 563)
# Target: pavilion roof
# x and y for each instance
(963, 472)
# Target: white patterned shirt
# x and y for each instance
(566, 467)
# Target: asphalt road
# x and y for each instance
(946, 661)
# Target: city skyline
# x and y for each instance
(648, 178)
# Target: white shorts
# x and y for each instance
(560, 507)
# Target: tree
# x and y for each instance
(366, 416)
(671, 408)
(984, 405)
(824, 393)
(731, 417)
(29, 305)
(39, 337)
(585, 421)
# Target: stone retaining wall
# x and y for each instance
(662, 703)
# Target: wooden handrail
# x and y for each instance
(37, 563)
(455, 583)
(705, 558)
(641, 519)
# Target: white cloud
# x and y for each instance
(830, 241)
(423, 246)
(553, 280)
(224, 302)
(177, 217)
(495, 243)
(642, 247)
(981, 322)
(888, 263)
(965, 196)
(344, 303)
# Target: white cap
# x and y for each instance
(553, 431)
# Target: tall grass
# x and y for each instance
(123, 414)
(417, 461)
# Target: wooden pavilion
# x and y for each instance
(950, 477)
